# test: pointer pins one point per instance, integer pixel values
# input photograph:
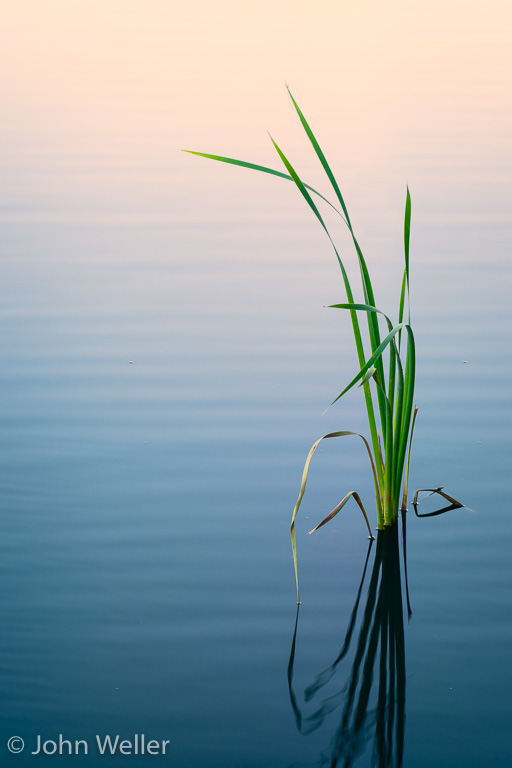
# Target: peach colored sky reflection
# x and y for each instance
(393, 90)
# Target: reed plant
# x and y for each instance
(386, 367)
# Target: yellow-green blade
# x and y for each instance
(340, 506)
(304, 480)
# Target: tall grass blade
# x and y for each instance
(367, 286)
(322, 159)
(410, 374)
(401, 306)
(407, 237)
(405, 279)
(403, 508)
(365, 276)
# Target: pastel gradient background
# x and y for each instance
(166, 359)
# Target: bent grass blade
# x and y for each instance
(262, 169)
(440, 492)
(302, 491)
(339, 507)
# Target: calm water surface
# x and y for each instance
(164, 371)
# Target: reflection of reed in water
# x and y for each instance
(379, 654)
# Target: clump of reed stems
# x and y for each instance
(388, 384)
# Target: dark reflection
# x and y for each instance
(371, 699)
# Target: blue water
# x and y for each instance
(162, 381)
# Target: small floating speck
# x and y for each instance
(464, 361)
(131, 362)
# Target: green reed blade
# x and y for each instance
(399, 404)
(394, 359)
(403, 507)
(387, 399)
(355, 324)
(367, 286)
(368, 293)
(365, 277)
(410, 370)
(401, 306)
(402, 296)
(364, 308)
(389, 458)
(378, 352)
(407, 237)
(373, 327)
(262, 169)
(301, 186)
(371, 309)
(405, 279)
(322, 159)
(304, 192)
